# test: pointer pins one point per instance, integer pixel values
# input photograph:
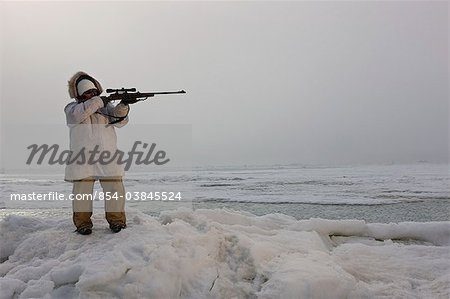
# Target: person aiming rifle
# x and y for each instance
(92, 120)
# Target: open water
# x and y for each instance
(377, 193)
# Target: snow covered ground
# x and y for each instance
(223, 254)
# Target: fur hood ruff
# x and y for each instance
(72, 84)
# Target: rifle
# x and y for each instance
(131, 96)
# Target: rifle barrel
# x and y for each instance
(162, 92)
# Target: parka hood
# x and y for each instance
(72, 84)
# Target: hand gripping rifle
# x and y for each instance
(130, 96)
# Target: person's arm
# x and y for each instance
(76, 113)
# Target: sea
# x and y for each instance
(388, 193)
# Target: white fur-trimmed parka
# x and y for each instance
(91, 131)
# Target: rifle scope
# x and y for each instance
(109, 90)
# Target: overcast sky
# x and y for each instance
(266, 82)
